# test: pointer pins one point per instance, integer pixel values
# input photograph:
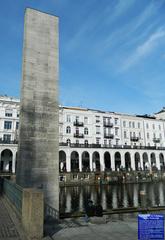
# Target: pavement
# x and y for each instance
(123, 227)
(10, 225)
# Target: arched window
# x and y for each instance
(68, 141)
(68, 129)
(86, 131)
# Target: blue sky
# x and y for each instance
(112, 52)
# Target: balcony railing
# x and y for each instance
(78, 135)
(108, 135)
(134, 139)
(78, 145)
(78, 124)
(8, 141)
(108, 124)
(156, 140)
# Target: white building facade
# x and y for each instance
(92, 140)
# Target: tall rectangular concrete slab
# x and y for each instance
(38, 155)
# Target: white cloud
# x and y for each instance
(144, 49)
(122, 7)
(127, 33)
(92, 24)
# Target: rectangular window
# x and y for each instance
(108, 120)
(97, 119)
(7, 138)
(147, 126)
(7, 124)
(130, 124)
(125, 134)
(17, 125)
(68, 119)
(117, 141)
(140, 135)
(160, 136)
(77, 118)
(133, 124)
(138, 124)
(105, 142)
(124, 123)
(86, 120)
(159, 127)
(153, 126)
(17, 114)
(116, 131)
(116, 121)
(77, 130)
(97, 129)
(97, 140)
(8, 113)
(154, 135)
(148, 135)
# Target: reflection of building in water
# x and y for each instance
(149, 190)
(92, 140)
(75, 194)
(129, 190)
(135, 195)
(68, 202)
(103, 199)
(81, 200)
(108, 194)
(116, 196)
(125, 202)
(161, 194)
(120, 196)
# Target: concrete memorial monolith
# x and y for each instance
(38, 164)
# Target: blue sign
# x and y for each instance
(150, 226)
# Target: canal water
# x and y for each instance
(73, 199)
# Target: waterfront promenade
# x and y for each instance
(123, 227)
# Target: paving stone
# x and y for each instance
(8, 230)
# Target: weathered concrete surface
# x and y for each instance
(33, 213)
(38, 137)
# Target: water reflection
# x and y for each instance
(74, 199)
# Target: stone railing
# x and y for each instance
(50, 211)
(14, 194)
